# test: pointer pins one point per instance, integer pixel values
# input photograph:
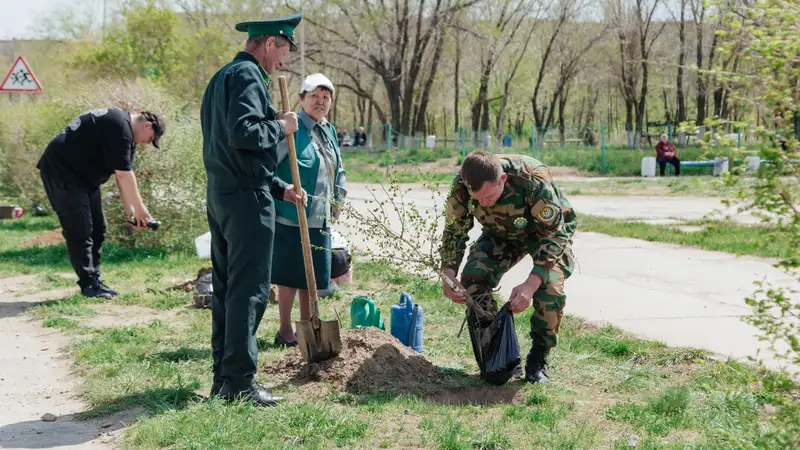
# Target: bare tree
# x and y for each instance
(704, 77)
(637, 33)
(594, 95)
(565, 50)
(532, 17)
(456, 84)
(401, 42)
(563, 96)
(681, 112)
(505, 17)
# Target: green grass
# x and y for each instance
(725, 236)
(607, 385)
(14, 232)
(303, 425)
(405, 166)
(440, 164)
(620, 161)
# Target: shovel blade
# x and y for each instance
(318, 340)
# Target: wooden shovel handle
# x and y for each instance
(311, 282)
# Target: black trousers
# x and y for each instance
(242, 225)
(676, 163)
(83, 224)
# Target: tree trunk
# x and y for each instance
(681, 113)
(362, 106)
(353, 106)
(502, 115)
(562, 125)
(431, 76)
(368, 126)
(485, 115)
(642, 104)
(577, 121)
(479, 104)
(415, 125)
(393, 96)
(702, 89)
(456, 85)
(590, 110)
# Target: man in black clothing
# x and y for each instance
(361, 137)
(95, 145)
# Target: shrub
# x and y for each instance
(171, 180)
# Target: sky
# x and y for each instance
(19, 17)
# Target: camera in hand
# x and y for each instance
(152, 224)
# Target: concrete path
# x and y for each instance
(658, 209)
(36, 379)
(680, 296)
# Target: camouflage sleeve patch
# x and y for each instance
(458, 223)
(551, 238)
(548, 216)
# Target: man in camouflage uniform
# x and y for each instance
(522, 212)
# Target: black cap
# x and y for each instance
(159, 126)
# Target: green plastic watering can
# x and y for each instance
(364, 313)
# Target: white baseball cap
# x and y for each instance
(314, 81)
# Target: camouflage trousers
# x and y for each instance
(491, 257)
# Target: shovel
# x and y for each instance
(318, 340)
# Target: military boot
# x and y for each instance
(535, 364)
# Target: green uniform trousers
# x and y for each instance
(242, 224)
(491, 257)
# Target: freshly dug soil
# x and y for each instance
(47, 238)
(371, 361)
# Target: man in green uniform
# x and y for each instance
(522, 213)
(241, 132)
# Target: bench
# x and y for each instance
(720, 165)
(754, 162)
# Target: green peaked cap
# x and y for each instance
(283, 26)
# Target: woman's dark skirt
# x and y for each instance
(288, 268)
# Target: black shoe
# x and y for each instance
(215, 388)
(251, 391)
(106, 288)
(535, 364)
(281, 342)
(94, 290)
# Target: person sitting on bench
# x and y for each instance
(666, 151)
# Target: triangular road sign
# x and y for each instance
(20, 78)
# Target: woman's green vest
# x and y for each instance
(308, 166)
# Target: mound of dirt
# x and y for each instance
(47, 238)
(371, 361)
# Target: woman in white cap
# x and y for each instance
(323, 177)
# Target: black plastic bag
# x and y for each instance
(495, 346)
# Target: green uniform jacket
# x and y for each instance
(531, 212)
(241, 130)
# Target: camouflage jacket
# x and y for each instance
(531, 212)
